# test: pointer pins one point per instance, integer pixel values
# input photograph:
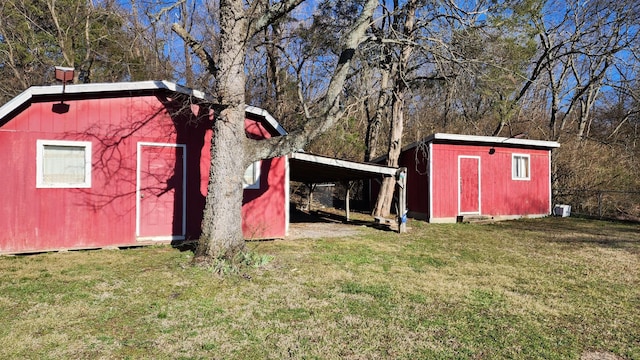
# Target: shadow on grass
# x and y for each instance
(185, 245)
(605, 233)
(631, 245)
(319, 216)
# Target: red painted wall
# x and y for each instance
(263, 209)
(500, 195)
(36, 219)
(417, 165)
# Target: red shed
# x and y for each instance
(451, 176)
(121, 164)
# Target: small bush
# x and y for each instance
(242, 260)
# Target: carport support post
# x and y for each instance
(347, 185)
(311, 188)
(401, 181)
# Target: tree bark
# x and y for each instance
(221, 226)
(231, 150)
(373, 125)
(385, 197)
(274, 73)
(188, 68)
(398, 73)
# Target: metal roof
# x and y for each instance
(110, 88)
(490, 140)
(310, 168)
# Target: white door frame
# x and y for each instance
(184, 191)
(479, 186)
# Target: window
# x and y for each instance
(63, 164)
(251, 178)
(520, 169)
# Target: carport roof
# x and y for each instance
(315, 169)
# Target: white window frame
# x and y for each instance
(515, 162)
(255, 167)
(40, 146)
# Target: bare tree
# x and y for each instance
(96, 38)
(404, 22)
(417, 49)
(231, 150)
(578, 48)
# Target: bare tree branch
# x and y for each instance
(330, 111)
(197, 48)
(272, 14)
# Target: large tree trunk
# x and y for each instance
(221, 226)
(398, 74)
(385, 197)
(231, 151)
(373, 125)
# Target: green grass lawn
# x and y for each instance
(556, 288)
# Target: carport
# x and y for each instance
(317, 169)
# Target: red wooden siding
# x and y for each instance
(40, 219)
(160, 190)
(499, 194)
(449, 175)
(263, 210)
(261, 216)
(417, 180)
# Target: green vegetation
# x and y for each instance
(552, 288)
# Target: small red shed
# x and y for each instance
(121, 164)
(451, 176)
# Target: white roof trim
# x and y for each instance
(489, 140)
(371, 168)
(265, 114)
(494, 140)
(14, 103)
(26, 95)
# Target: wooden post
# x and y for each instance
(347, 185)
(401, 181)
(311, 188)
(346, 199)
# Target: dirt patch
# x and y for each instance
(329, 222)
(316, 230)
(599, 355)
